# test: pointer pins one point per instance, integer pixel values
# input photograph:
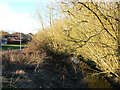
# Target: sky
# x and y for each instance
(20, 15)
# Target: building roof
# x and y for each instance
(10, 35)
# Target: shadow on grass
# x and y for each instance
(12, 46)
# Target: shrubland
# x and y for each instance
(88, 32)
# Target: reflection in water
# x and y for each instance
(98, 82)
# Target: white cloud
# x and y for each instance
(29, 0)
(15, 22)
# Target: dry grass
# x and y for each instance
(33, 67)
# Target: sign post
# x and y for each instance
(20, 40)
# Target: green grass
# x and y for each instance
(12, 46)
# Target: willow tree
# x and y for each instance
(93, 28)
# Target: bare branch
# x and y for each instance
(106, 19)
(98, 19)
(105, 45)
(69, 13)
(109, 55)
(114, 18)
(40, 18)
(79, 41)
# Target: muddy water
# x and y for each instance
(98, 82)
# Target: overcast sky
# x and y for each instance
(18, 15)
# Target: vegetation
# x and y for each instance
(12, 46)
(87, 33)
(8, 86)
(90, 30)
(97, 42)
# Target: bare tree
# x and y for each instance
(93, 28)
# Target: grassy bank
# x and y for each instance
(12, 46)
(20, 71)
